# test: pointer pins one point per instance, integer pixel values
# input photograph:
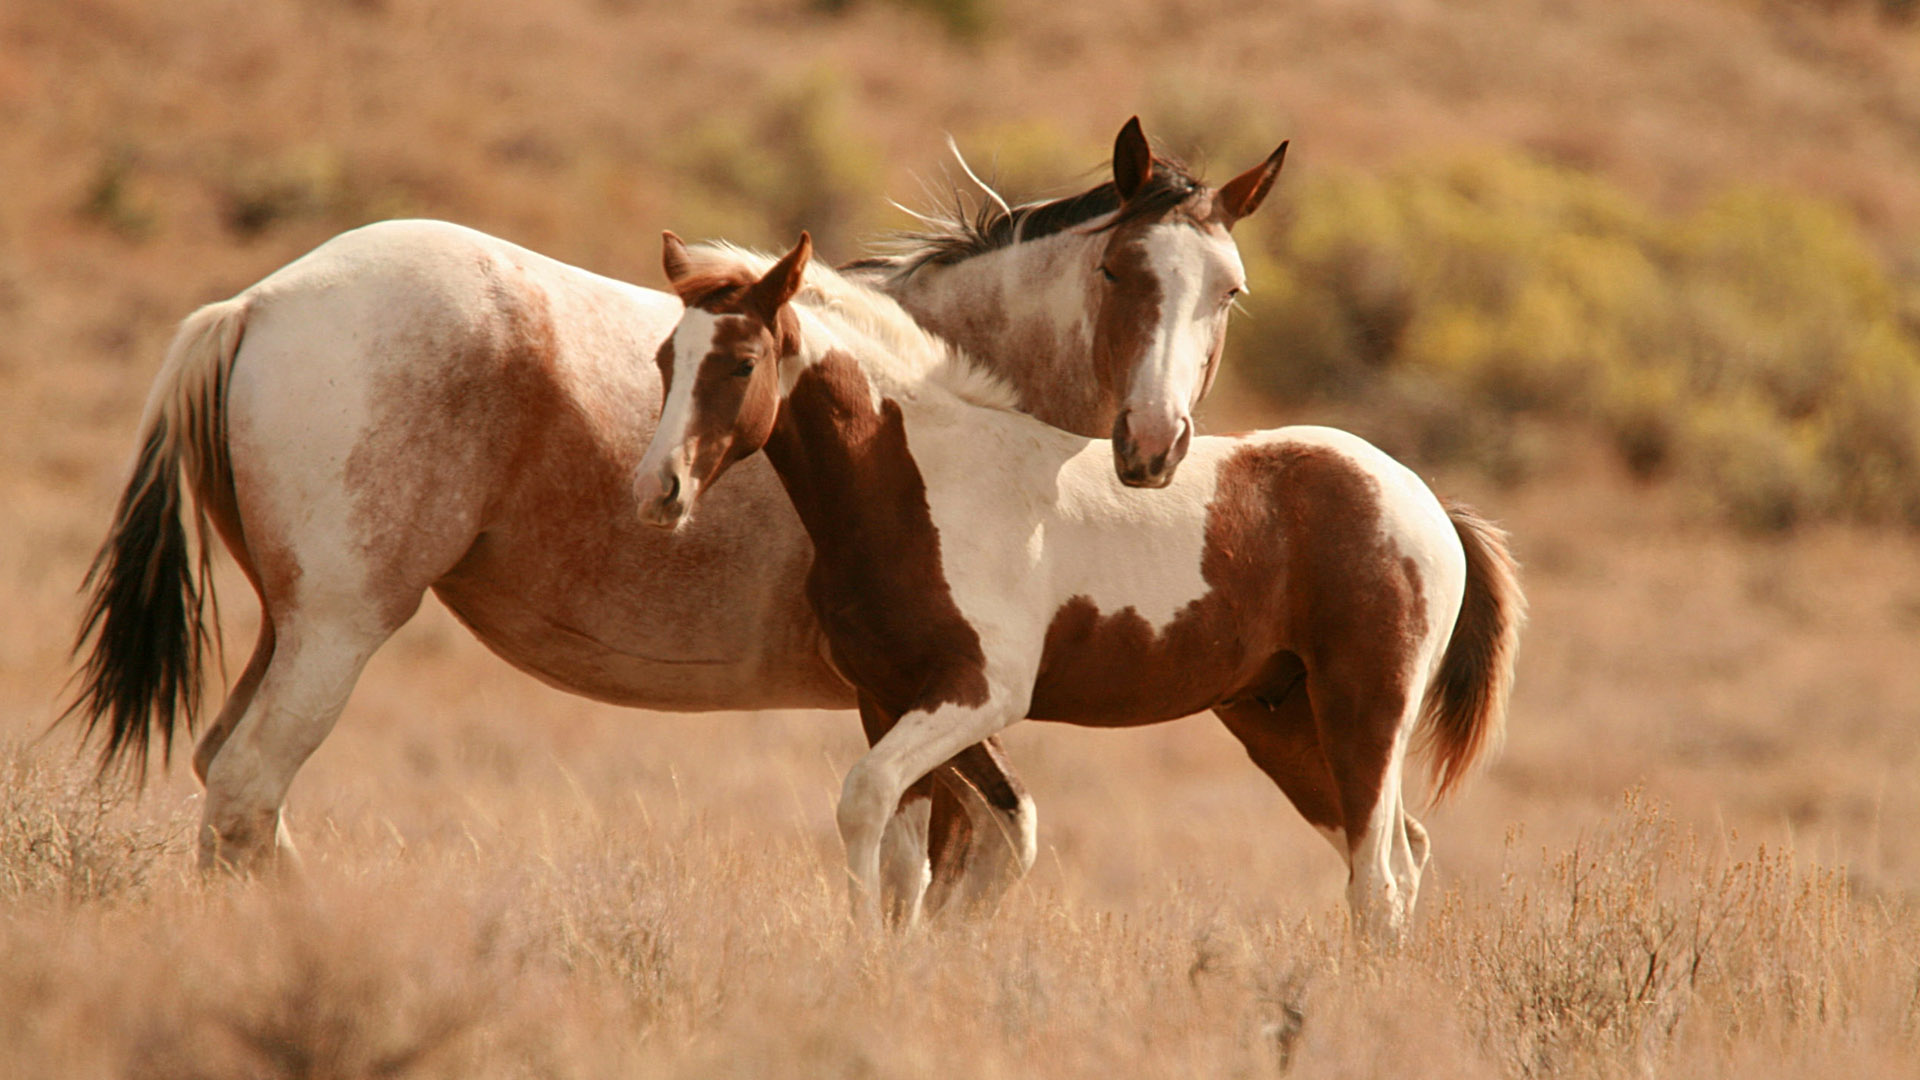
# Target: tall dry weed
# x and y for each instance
(1612, 954)
(63, 838)
(608, 941)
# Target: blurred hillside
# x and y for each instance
(1689, 226)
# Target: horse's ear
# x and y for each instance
(673, 257)
(781, 281)
(1132, 160)
(1243, 194)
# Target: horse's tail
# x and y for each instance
(1464, 716)
(148, 592)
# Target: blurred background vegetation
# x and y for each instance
(1757, 347)
(1681, 234)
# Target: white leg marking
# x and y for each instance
(1383, 867)
(905, 871)
(916, 745)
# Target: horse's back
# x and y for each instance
(415, 292)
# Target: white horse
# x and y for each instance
(973, 566)
(417, 406)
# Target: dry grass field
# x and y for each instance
(1699, 854)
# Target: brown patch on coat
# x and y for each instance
(497, 468)
(663, 360)
(1304, 596)
(1128, 311)
(877, 583)
(470, 418)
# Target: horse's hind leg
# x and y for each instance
(238, 700)
(1364, 723)
(1281, 738)
(312, 668)
(976, 863)
(328, 600)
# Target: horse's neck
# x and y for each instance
(842, 455)
(1023, 312)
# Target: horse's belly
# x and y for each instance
(694, 673)
(628, 646)
(713, 616)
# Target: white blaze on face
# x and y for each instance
(1196, 269)
(692, 341)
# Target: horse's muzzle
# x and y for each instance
(663, 503)
(1146, 455)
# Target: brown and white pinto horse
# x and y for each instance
(973, 566)
(1144, 288)
(416, 406)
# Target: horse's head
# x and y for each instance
(1165, 273)
(720, 371)
(1104, 311)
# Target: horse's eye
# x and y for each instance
(745, 369)
(1108, 274)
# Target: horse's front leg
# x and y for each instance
(905, 865)
(961, 835)
(985, 833)
(918, 742)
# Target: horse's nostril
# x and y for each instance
(673, 489)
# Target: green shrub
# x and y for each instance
(1758, 347)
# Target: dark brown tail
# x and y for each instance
(148, 588)
(1464, 716)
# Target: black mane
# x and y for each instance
(993, 227)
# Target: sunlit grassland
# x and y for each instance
(607, 935)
